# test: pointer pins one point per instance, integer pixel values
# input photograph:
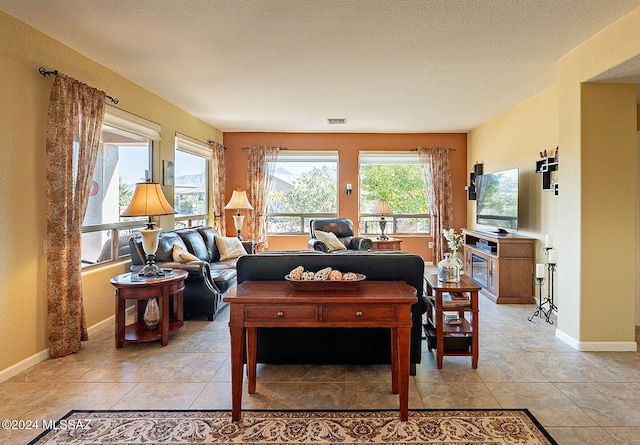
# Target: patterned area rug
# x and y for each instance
(297, 427)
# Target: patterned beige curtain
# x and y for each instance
(436, 170)
(260, 175)
(218, 186)
(74, 126)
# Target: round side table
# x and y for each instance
(130, 286)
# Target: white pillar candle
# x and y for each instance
(553, 256)
(539, 270)
(548, 241)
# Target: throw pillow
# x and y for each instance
(330, 239)
(182, 256)
(229, 247)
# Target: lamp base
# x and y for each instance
(151, 269)
(383, 225)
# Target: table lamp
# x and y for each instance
(382, 207)
(238, 202)
(148, 200)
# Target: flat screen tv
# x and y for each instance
(497, 201)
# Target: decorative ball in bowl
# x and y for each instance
(325, 279)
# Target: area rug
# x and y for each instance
(493, 427)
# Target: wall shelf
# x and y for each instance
(546, 166)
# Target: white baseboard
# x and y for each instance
(41, 356)
(597, 346)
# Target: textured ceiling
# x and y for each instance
(288, 65)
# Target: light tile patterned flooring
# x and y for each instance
(580, 398)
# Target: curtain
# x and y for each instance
(219, 175)
(74, 126)
(436, 171)
(260, 176)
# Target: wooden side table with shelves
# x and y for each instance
(453, 340)
(130, 286)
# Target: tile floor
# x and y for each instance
(580, 398)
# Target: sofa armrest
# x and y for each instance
(197, 267)
(316, 244)
(360, 243)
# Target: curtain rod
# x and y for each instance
(46, 73)
(416, 149)
(211, 142)
(247, 148)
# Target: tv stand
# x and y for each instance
(502, 264)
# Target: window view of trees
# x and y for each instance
(398, 180)
(302, 190)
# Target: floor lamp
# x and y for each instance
(238, 201)
(148, 200)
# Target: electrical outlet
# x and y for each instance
(430, 244)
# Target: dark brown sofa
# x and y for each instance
(209, 278)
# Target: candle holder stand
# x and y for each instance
(540, 308)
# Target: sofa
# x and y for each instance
(340, 228)
(336, 345)
(210, 276)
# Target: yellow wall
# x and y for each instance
(24, 97)
(515, 139)
(587, 266)
(594, 218)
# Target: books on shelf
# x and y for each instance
(454, 299)
(452, 319)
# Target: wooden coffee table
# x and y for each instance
(130, 286)
(274, 304)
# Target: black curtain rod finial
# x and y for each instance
(46, 73)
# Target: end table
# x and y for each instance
(130, 286)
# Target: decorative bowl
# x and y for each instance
(324, 285)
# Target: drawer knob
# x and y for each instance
(280, 314)
(359, 314)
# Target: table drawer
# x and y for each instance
(281, 312)
(359, 313)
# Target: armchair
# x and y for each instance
(342, 228)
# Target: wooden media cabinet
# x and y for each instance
(502, 264)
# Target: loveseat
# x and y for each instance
(336, 345)
(210, 275)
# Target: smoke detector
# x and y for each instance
(337, 121)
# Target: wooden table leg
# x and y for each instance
(164, 317)
(403, 340)
(252, 343)
(237, 334)
(439, 319)
(120, 319)
(395, 374)
(475, 351)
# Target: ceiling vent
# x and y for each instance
(337, 121)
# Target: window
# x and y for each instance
(304, 187)
(191, 182)
(124, 159)
(396, 177)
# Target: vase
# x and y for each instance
(151, 315)
(458, 257)
(449, 269)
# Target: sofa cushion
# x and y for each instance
(182, 256)
(209, 236)
(229, 247)
(195, 243)
(165, 246)
(331, 240)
